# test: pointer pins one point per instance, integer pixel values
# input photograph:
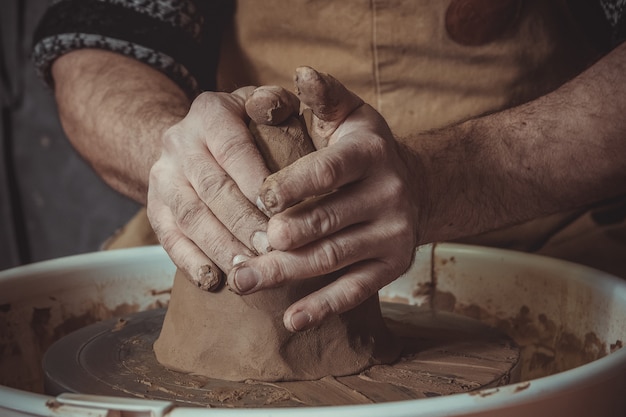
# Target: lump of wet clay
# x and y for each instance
(226, 336)
(233, 337)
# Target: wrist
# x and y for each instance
(452, 182)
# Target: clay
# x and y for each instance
(444, 354)
(231, 337)
(274, 142)
(271, 105)
(227, 336)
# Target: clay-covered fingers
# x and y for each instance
(347, 209)
(329, 100)
(354, 253)
(365, 145)
(196, 232)
(187, 256)
(271, 105)
(322, 216)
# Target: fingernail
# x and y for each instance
(260, 242)
(269, 200)
(261, 206)
(239, 259)
(245, 279)
(207, 277)
(300, 320)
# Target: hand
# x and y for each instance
(346, 207)
(202, 187)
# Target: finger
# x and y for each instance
(315, 218)
(198, 268)
(312, 175)
(330, 101)
(189, 215)
(223, 128)
(374, 199)
(213, 238)
(271, 105)
(344, 248)
(359, 283)
(356, 147)
(216, 195)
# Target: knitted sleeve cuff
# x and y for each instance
(615, 12)
(173, 36)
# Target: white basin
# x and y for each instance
(570, 321)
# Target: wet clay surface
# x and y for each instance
(227, 336)
(444, 354)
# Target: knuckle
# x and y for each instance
(187, 213)
(398, 230)
(206, 102)
(211, 184)
(325, 171)
(232, 148)
(171, 138)
(243, 221)
(329, 256)
(320, 221)
(395, 188)
(220, 247)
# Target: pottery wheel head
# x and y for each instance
(115, 357)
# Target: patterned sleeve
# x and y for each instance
(614, 11)
(178, 37)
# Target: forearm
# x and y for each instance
(562, 151)
(114, 111)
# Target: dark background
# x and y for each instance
(51, 203)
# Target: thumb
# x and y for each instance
(330, 103)
(271, 105)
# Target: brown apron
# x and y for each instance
(425, 64)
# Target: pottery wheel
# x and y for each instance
(444, 354)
